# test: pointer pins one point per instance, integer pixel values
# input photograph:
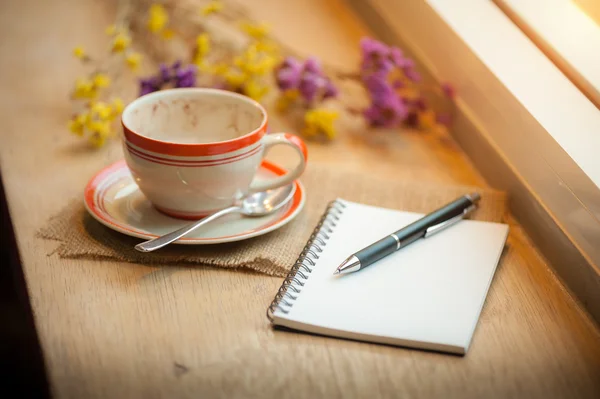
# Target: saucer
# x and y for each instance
(113, 198)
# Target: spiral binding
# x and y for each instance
(304, 265)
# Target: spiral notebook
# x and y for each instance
(428, 295)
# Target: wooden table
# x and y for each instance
(119, 330)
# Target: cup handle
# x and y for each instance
(288, 139)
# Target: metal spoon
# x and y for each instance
(257, 204)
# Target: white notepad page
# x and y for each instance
(427, 295)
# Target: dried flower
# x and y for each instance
(387, 107)
(110, 30)
(117, 105)
(257, 31)
(255, 89)
(427, 119)
(288, 74)
(101, 111)
(388, 75)
(120, 42)
(449, 90)
(286, 99)
(169, 76)
(377, 57)
(133, 60)
(212, 8)
(202, 48)
(96, 121)
(308, 78)
(101, 80)
(320, 122)
(249, 72)
(77, 124)
(185, 77)
(98, 136)
(79, 52)
(84, 89)
(157, 18)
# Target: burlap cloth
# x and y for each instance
(81, 236)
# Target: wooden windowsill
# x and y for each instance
(112, 329)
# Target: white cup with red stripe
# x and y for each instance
(194, 151)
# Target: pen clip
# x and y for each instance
(447, 223)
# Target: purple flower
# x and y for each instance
(397, 57)
(390, 112)
(149, 85)
(185, 77)
(373, 50)
(387, 107)
(309, 86)
(306, 77)
(313, 66)
(288, 74)
(165, 72)
(379, 58)
(412, 74)
(330, 90)
(378, 86)
(169, 76)
(449, 90)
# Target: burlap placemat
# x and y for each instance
(274, 253)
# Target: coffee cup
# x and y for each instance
(194, 151)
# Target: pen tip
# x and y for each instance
(337, 271)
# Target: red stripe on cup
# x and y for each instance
(189, 164)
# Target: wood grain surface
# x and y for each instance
(117, 330)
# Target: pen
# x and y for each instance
(422, 228)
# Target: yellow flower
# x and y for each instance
(101, 80)
(268, 47)
(167, 34)
(255, 90)
(120, 42)
(77, 124)
(234, 78)
(101, 111)
(257, 31)
(202, 46)
(84, 88)
(157, 18)
(254, 62)
(79, 52)
(133, 60)
(265, 65)
(76, 128)
(409, 93)
(220, 69)
(100, 127)
(212, 7)
(320, 121)
(286, 99)
(117, 105)
(110, 30)
(97, 139)
(427, 119)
